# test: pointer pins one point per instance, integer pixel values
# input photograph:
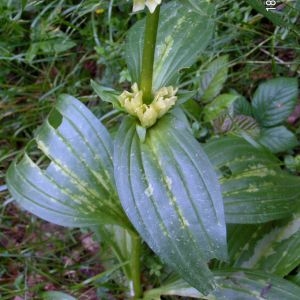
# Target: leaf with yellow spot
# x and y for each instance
(170, 193)
(77, 187)
(183, 33)
(273, 247)
(254, 187)
(233, 284)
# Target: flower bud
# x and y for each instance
(132, 102)
(147, 115)
(164, 99)
(140, 5)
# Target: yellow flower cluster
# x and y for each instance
(163, 100)
(140, 5)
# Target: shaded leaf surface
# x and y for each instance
(182, 34)
(213, 78)
(170, 193)
(217, 106)
(238, 124)
(54, 295)
(254, 187)
(107, 94)
(271, 247)
(278, 139)
(251, 284)
(241, 242)
(274, 100)
(235, 284)
(242, 107)
(120, 241)
(77, 188)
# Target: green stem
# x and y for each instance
(135, 263)
(148, 54)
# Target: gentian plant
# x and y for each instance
(156, 185)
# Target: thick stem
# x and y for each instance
(135, 264)
(148, 54)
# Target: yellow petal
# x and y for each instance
(147, 115)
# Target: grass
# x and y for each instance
(37, 256)
(49, 48)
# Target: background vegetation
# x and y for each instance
(53, 47)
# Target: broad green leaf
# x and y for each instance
(278, 139)
(177, 287)
(292, 163)
(107, 94)
(54, 295)
(242, 239)
(245, 123)
(217, 106)
(295, 278)
(182, 34)
(77, 188)
(222, 124)
(273, 247)
(192, 109)
(242, 107)
(253, 284)
(274, 100)
(275, 18)
(183, 96)
(213, 79)
(170, 193)
(234, 284)
(134, 50)
(238, 123)
(194, 5)
(254, 187)
(55, 42)
(276, 250)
